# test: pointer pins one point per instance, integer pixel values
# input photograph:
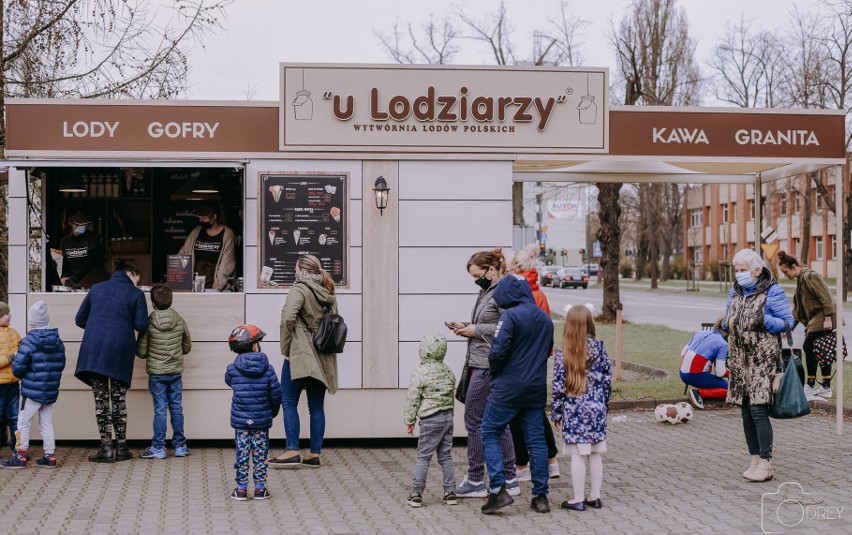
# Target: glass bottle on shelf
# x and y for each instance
(85, 185)
(113, 186)
(99, 185)
(91, 187)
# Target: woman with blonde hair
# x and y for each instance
(305, 369)
(523, 264)
(582, 385)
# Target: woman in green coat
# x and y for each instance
(814, 308)
(304, 368)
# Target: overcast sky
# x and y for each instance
(242, 58)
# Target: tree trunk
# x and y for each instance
(806, 223)
(518, 204)
(609, 235)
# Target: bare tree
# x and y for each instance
(609, 236)
(435, 43)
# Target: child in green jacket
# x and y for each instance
(163, 346)
(430, 398)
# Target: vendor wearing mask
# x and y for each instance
(82, 256)
(211, 245)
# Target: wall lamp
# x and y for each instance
(381, 190)
(71, 183)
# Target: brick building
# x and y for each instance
(719, 221)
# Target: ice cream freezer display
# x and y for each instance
(302, 214)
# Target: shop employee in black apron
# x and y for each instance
(211, 245)
(82, 256)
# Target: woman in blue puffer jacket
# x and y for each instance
(757, 313)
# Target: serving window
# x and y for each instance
(84, 221)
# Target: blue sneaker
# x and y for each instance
(18, 461)
(182, 451)
(513, 487)
(471, 489)
(153, 453)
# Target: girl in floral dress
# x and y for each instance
(582, 381)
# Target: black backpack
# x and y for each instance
(330, 336)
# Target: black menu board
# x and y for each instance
(302, 214)
(179, 272)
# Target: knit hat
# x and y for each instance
(4, 309)
(38, 315)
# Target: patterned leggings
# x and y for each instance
(108, 390)
(255, 444)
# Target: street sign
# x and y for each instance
(597, 252)
(769, 235)
(769, 249)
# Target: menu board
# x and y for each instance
(179, 272)
(302, 214)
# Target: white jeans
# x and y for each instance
(29, 408)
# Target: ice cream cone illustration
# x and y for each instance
(335, 214)
(296, 234)
(272, 237)
(331, 189)
(276, 193)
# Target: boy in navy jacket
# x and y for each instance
(39, 364)
(255, 403)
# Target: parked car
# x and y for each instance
(590, 269)
(545, 275)
(571, 276)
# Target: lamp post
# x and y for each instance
(381, 189)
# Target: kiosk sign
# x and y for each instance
(469, 109)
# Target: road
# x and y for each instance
(683, 312)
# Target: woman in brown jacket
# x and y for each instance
(304, 368)
(813, 308)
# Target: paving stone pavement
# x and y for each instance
(649, 487)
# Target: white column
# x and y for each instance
(838, 226)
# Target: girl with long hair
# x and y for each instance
(582, 384)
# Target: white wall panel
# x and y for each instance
(264, 310)
(353, 167)
(250, 223)
(455, 180)
(355, 223)
(409, 359)
(18, 222)
(432, 270)
(454, 223)
(17, 183)
(423, 314)
(18, 309)
(349, 365)
(18, 275)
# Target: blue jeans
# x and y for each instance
(703, 380)
(291, 391)
(9, 405)
(167, 391)
(494, 423)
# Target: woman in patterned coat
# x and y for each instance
(757, 313)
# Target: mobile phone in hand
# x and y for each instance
(451, 325)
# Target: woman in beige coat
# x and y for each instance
(304, 368)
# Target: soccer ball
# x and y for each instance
(684, 411)
(666, 414)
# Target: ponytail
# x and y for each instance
(487, 259)
(312, 265)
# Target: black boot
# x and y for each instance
(104, 455)
(122, 453)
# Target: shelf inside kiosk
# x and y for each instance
(96, 218)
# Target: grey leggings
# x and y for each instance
(758, 429)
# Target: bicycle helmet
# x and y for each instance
(244, 337)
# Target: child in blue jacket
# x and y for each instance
(39, 364)
(255, 403)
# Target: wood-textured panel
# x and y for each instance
(381, 279)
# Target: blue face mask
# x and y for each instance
(81, 229)
(745, 279)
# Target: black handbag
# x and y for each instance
(825, 348)
(330, 336)
(464, 382)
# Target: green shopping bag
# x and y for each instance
(790, 400)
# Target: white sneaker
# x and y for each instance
(524, 474)
(513, 487)
(824, 392)
(810, 391)
(553, 470)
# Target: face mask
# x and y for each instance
(482, 282)
(745, 279)
(206, 225)
(81, 229)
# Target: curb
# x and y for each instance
(656, 373)
(830, 407)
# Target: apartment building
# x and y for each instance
(719, 220)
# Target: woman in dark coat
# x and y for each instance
(110, 314)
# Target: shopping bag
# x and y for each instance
(825, 348)
(790, 400)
